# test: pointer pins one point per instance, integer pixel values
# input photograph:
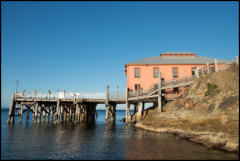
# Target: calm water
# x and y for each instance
(96, 141)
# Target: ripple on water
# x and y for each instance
(97, 141)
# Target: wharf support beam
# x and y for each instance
(128, 115)
(108, 112)
(110, 108)
(111, 112)
(21, 113)
(140, 110)
(39, 112)
(11, 113)
(57, 112)
(91, 112)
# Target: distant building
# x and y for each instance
(143, 74)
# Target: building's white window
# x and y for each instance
(137, 72)
(175, 72)
(155, 72)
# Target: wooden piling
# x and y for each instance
(65, 114)
(108, 111)
(77, 112)
(128, 116)
(135, 107)
(27, 114)
(21, 113)
(35, 112)
(11, 112)
(61, 113)
(73, 112)
(113, 113)
(107, 104)
(57, 113)
(236, 59)
(140, 109)
(94, 112)
(39, 112)
(43, 111)
(83, 113)
(70, 112)
(159, 93)
(47, 107)
(51, 109)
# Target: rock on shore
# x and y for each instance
(207, 112)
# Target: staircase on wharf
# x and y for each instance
(83, 108)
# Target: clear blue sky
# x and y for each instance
(83, 46)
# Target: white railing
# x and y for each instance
(117, 95)
(56, 95)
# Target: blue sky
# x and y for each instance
(83, 46)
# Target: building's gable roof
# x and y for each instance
(178, 60)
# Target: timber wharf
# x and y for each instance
(83, 109)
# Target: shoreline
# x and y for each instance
(206, 138)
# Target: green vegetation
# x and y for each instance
(212, 90)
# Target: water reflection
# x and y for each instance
(96, 141)
(149, 145)
(110, 129)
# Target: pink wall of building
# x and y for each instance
(147, 80)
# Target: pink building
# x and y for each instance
(143, 74)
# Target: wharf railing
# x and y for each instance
(70, 95)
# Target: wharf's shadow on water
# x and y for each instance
(99, 140)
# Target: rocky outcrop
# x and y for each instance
(207, 112)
